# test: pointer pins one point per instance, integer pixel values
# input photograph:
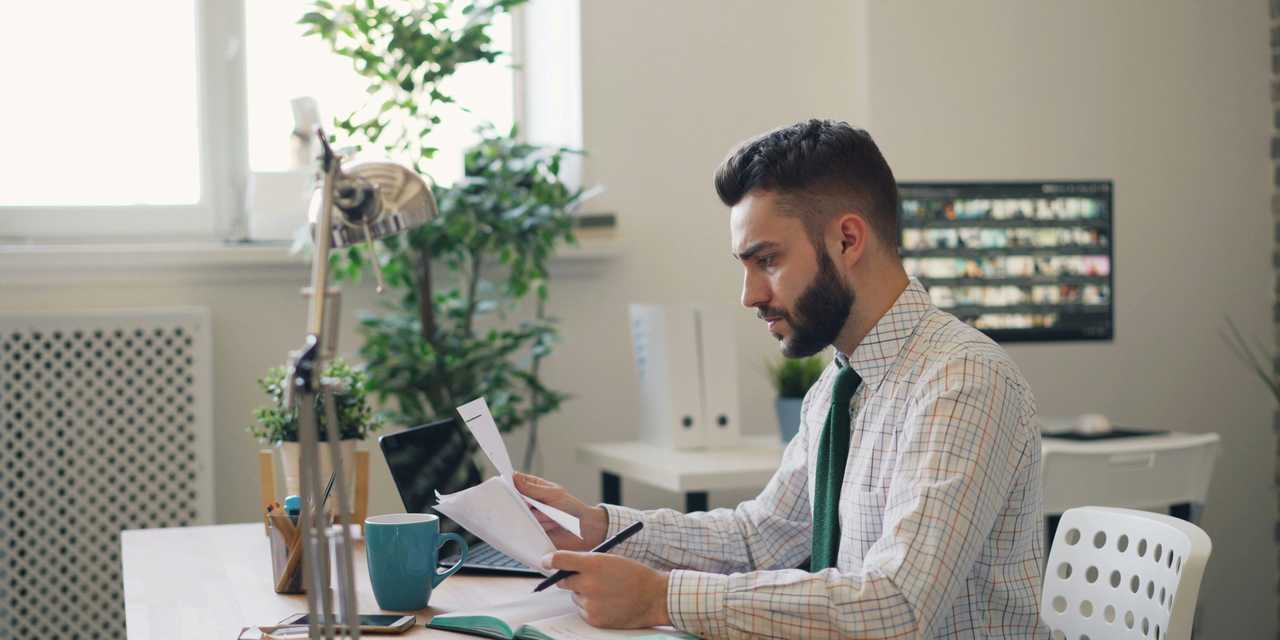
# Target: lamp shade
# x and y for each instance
(385, 198)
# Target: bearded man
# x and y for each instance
(907, 506)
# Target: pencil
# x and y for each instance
(290, 565)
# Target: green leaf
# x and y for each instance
(311, 17)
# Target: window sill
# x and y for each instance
(205, 261)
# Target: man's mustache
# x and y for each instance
(766, 312)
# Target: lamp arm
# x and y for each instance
(323, 240)
(305, 386)
(376, 199)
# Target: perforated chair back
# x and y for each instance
(1120, 573)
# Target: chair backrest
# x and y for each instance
(1120, 573)
(1150, 472)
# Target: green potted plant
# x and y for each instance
(278, 425)
(792, 377)
(467, 315)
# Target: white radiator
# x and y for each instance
(105, 425)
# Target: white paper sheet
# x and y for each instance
(572, 524)
(571, 626)
(480, 422)
(548, 603)
(494, 513)
(485, 430)
(494, 510)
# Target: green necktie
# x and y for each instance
(833, 452)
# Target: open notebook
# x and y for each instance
(545, 615)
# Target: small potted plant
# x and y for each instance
(792, 377)
(278, 424)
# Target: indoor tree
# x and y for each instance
(468, 316)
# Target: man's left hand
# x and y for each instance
(613, 592)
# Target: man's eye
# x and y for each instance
(764, 262)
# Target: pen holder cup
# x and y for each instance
(282, 564)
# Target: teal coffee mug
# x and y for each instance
(403, 550)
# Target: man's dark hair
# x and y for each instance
(818, 168)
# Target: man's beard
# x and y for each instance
(820, 312)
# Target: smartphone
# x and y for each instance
(368, 624)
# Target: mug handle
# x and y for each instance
(439, 575)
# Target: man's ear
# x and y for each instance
(852, 235)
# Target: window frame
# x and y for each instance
(223, 158)
(219, 67)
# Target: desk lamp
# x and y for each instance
(363, 202)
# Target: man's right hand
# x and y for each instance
(594, 521)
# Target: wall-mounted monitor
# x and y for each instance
(1021, 261)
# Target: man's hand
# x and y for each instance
(613, 592)
(594, 520)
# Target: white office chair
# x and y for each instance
(1120, 573)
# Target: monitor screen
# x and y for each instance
(1021, 261)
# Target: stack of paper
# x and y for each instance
(493, 510)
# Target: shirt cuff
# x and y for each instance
(696, 603)
(620, 518)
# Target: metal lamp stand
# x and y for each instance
(370, 201)
(306, 385)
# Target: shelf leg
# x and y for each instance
(610, 488)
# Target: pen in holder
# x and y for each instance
(286, 543)
(286, 553)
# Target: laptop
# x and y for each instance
(407, 453)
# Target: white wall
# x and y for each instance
(1168, 100)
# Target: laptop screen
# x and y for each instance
(438, 456)
(426, 458)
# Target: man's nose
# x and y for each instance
(755, 291)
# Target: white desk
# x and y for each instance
(210, 582)
(692, 473)
(1120, 476)
(1167, 471)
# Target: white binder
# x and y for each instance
(688, 376)
(719, 377)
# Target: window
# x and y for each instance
(103, 110)
(134, 119)
(282, 65)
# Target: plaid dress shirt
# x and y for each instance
(940, 509)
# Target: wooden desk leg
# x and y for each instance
(610, 488)
(695, 501)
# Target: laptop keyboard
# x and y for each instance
(484, 555)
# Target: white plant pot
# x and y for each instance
(290, 458)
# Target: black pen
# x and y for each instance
(603, 548)
(328, 488)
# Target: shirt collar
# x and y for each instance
(879, 349)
